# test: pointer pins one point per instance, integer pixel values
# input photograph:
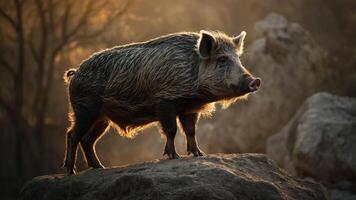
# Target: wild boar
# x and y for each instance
(176, 76)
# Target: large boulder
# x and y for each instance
(221, 176)
(290, 64)
(319, 141)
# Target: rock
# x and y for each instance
(220, 176)
(320, 140)
(290, 64)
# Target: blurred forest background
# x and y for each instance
(40, 39)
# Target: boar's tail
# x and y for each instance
(68, 75)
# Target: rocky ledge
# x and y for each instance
(218, 176)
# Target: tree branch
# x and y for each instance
(41, 13)
(64, 22)
(6, 107)
(104, 27)
(18, 85)
(8, 18)
(7, 66)
(33, 48)
(67, 36)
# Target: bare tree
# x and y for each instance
(39, 31)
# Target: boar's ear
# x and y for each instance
(206, 43)
(239, 42)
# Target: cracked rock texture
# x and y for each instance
(219, 176)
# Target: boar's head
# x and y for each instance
(221, 73)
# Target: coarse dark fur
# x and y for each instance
(179, 75)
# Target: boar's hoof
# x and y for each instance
(64, 166)
(172, 154)
(97, 166)
(198, 153)
(195, 151)
(71, 172)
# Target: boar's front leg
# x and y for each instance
(188, 122)
(167, 117)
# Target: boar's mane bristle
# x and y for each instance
(225, 103)
(130, 131)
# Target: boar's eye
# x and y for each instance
(223, 61)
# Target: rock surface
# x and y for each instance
(221, 176)
(290, 64)
(320, 139)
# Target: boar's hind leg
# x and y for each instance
(167, 117)
(188, 122)
(89, 140)
(69, 133)
(83, 121)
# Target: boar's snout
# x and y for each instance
(254, 84)
(247, 84)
